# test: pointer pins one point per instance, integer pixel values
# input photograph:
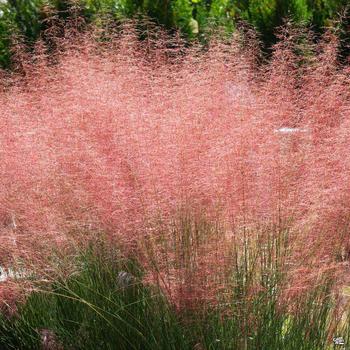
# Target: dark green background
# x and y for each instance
(26, 18)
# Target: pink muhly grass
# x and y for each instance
(131, 137)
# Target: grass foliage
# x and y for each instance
(220, 181)
(105, 304)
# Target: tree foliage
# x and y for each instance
(192, 17)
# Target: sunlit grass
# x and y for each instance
(105, 304)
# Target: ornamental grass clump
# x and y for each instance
(183, 156)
